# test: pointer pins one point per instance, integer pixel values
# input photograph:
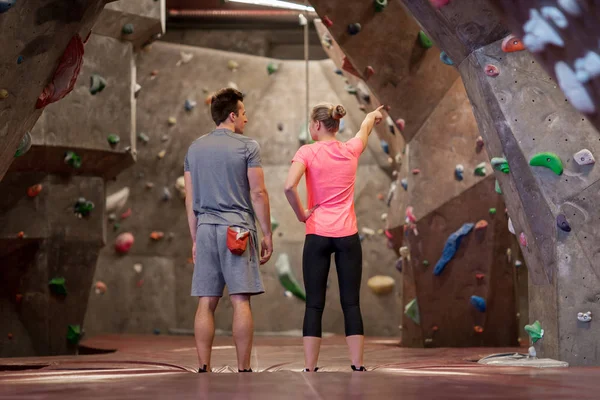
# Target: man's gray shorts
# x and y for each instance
(216, 266)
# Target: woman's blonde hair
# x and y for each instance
(329, 115)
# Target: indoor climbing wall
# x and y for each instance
(461, 298)
(150, 282)
(52, 210)
(543, 147)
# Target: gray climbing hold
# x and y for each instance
(539, 33)
(166, 194)
(127, 29)
(576, 93)
(190, 104)
(584, 157)
(143, 137)
(451, 247)
(404, 183)
(97, 84)
(459, 171)
(584, 317)
(562, 223)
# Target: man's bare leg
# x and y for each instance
(204, 329)
(243, 329)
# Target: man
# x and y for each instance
(225, 188)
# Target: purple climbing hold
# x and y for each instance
(562, 223)
(478, 303)
(399, 264)
(451, 247)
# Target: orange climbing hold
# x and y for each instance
(478, 329)
(326, 21)
(348, 67)
(511, 44)
(33, 191)
(380, 196)
(157, 235)
(482, 224)
(21, 235)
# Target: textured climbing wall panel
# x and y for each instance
(573, 40)
(56, 244)
(81, 122)
(522, 112)
(39, 32)
(147, 18)
(408, 77)
(270, 100)
(444, 300)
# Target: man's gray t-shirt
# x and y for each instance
(218, 163)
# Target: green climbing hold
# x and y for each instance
(127, 29)
(83, 207)
(500, 164)
(350, 89)
(411, 310)
(424, 40)
(426, 263)
(274, 224)
(143, 137)
(113, 139)
(304, 136)
(380, 5)
(287, 278)
(480, 169)
(97, 84)
(72, 159)
(272, 68)
(548, 160)
(535, 331)
(74, 334)
(497, 188)
(57, 286)
(116, 226)
(24, 146)
(492, 211)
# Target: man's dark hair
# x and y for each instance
(224, 102)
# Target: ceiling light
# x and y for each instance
(275, 3)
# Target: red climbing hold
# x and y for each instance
(369, 72)
(416, 171)
(21, 235)
(388, 234)
(511, 44)
(348, 67)
(326, 21)
(435, 328)
(124, 242)
(126, 214)
(523, 239)
(33, 191)
(491, 70)
(10, 336)
(380, 196)
(479, 277)
(478, 329)
(65, 75)
(439, 3)
(18, 298)
(140, 283)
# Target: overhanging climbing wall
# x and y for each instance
(442, 137)
(522, 112)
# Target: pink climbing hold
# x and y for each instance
(479, 277)
(479, 143)
(65, 75)
(400, 123)
(492, 70)
(523, 239)
(389, 234)
(126, 214)
(439, 3)
(416, 171)
(410, 215)
(124, 242)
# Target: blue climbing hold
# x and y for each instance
(339, 72)
(5, 5)
(404, 183)
(189, 105)
(478, 303)
(445, 59)
(451, 247)
(385, 147)
(156, 331)
(19, 59)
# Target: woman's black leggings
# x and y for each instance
(315, 265)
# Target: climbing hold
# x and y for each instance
(57, 286)
(511, 228)
(400, 123)
(232, 65)
(139, 283)
(480, 169)
(518, 263)
(368, 231)
(327, 41)
(381, 284)
(74, 334)
(584, 317)
(539, 33)
(274, 224)
(481, 224)
(112, 217)
(189, 105)
(404, 183)
(185, 58)
(83, 207)
(350, 89)
(424, 40)
(180, 186)
(410, 216)
(405, 253)
(65, 75)
(384, 216)
(479, 143)
(354, 29)
(272, 68)
(478, 329)
(21, 235)
(3, 94)
(426, 263)
(5, 5)
(446, 59)
(500, 164)
(576, 93)
(153, 73)
(534, 331)
(458, 172)
(548, 160)
(20, 60)
(143, 137)
(33, 191)
(385, 146)
(72, 159)
(113, 139)
(287, 278)
(127, 29)
(511, 43)
(172, 121)
(123, 242)
(479, 277)
(571, 6)
(523, 239)
(439, 3)
(478, 303)
(411, 310)
(380, 5)
(416, 171)
(157, 235)
(126, 214)
(100, 287)
(166, 194)
(97, 84)
(584, 157)
(492, 70)
(562, 223)
(24, 145)
(399, 262)
(451, 247)
(555, 15)
(161, 154)
(138, 268)
(326, 21)
(497, 187)
(492, 211)
(117, 200)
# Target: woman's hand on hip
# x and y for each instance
(308, 213)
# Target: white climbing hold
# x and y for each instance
(584, 317)
(398, 158)
(518, 263)
(587, 67)
(137, 89)
(532, 353)
(570, 6)
(511, 228)
(117, 200)
(368, 231)
(138, 268)
(185, 58)
(302, 20)
(584, 157)
(539, 33)
(405, 253)
(573, 89)
(180, 186)
(554, 14)
(232, 85)
(384, 216)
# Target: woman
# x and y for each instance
(330, 167)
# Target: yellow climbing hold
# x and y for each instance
(548, 160)
(381, 284)
(3, 94)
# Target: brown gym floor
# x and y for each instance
(144, 367)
